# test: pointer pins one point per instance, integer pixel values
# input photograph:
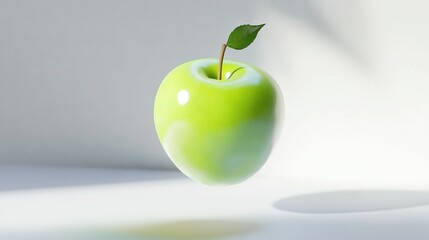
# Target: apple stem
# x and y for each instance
(222, 54)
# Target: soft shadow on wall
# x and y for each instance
(354, 80)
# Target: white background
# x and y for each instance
(78, 80)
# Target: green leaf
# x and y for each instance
(243, 36)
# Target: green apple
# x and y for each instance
(217, 120)
(218, 132)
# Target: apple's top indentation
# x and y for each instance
(205, 70)
(182, 97)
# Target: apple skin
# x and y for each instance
(218, 132)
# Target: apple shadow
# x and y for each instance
(188, 229)
(174, 230)
(352, 201)
(15, 177)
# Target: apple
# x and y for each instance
(218, 132)
(217, 120)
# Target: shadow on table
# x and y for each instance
(326, 215)
(187, 229)
(14, 177)
(353, 201)
(340, 227)
(173, 230)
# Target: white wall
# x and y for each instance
(78, 78)
(355, 75)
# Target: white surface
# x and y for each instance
(165, 205)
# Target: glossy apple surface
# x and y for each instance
(217, 132)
